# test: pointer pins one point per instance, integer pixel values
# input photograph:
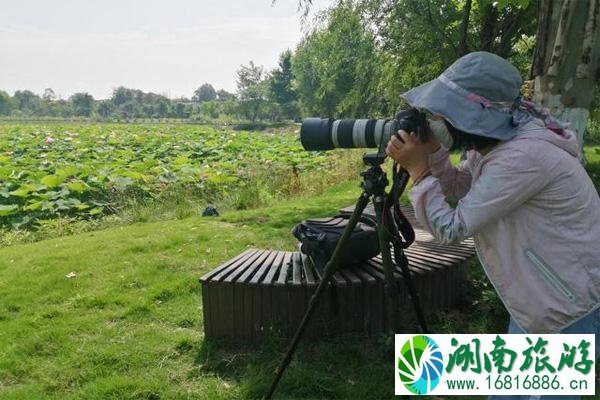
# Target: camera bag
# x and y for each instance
(318, 238)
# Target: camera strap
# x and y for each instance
(406, 232)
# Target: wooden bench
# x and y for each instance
(265, 292)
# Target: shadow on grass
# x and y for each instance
(336, 368)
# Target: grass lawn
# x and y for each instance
(128, 324)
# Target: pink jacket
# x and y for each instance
(534, 215)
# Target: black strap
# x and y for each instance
(400, 179)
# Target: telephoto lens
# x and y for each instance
(329, 133)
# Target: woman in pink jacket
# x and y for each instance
(521, 193)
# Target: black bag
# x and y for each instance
(318, 238)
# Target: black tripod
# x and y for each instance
(373, 185)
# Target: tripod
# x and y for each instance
(373, 185)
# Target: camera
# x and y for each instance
(329, 133)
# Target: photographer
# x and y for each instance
(521, 193)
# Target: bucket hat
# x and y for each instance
(476, 94)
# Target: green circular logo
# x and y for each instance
(420, 364)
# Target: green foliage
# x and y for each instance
(27, 102)
(592, 133)
(83, 104)
(205, 92)
(6, 104)
(334, 64)
(224, 95)
(84, 171)
(281, 86)
(365, 53)
(252, 90)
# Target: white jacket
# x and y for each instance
(535, 217)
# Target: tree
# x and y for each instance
(49, 95)
(105, 108)
(281, 86)
(162, 108)
(83, 104)
(566, 65)
(6, 103)
(415, 40)
(122, 95)
(251, 87)
(224, 95)
(334, 65)
(27, 101)
(205, 92)
(179, 110)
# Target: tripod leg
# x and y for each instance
(330, 269)
(402, 262)
(390, 286)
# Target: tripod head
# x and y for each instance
(373, 159)
(374, 179)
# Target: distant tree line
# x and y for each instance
(355, 60)
(260, 95)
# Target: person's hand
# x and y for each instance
(412, 154)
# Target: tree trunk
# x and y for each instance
(566, 60)
(488, 27)
(463, 47)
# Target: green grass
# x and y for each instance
(129, 325)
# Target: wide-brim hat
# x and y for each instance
(474, 94)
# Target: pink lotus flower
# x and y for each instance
(49, 140)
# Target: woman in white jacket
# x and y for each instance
(521, 193)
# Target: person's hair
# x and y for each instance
(467, 141)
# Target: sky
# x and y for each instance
(168, 47)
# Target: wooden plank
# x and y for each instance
(319, 318)
(375, 303)
(447, 253)
(253, 298)
(265, 286)
(221, 313)
(364, 295)
(296, 292)
(281, 303)
(208, 276)
(206, 307)
(464, 252)
(225, 272)
(355, 310)
(226, 301)
(242, 302)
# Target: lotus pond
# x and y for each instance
(79, 170)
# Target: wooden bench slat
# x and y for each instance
(213, 275)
